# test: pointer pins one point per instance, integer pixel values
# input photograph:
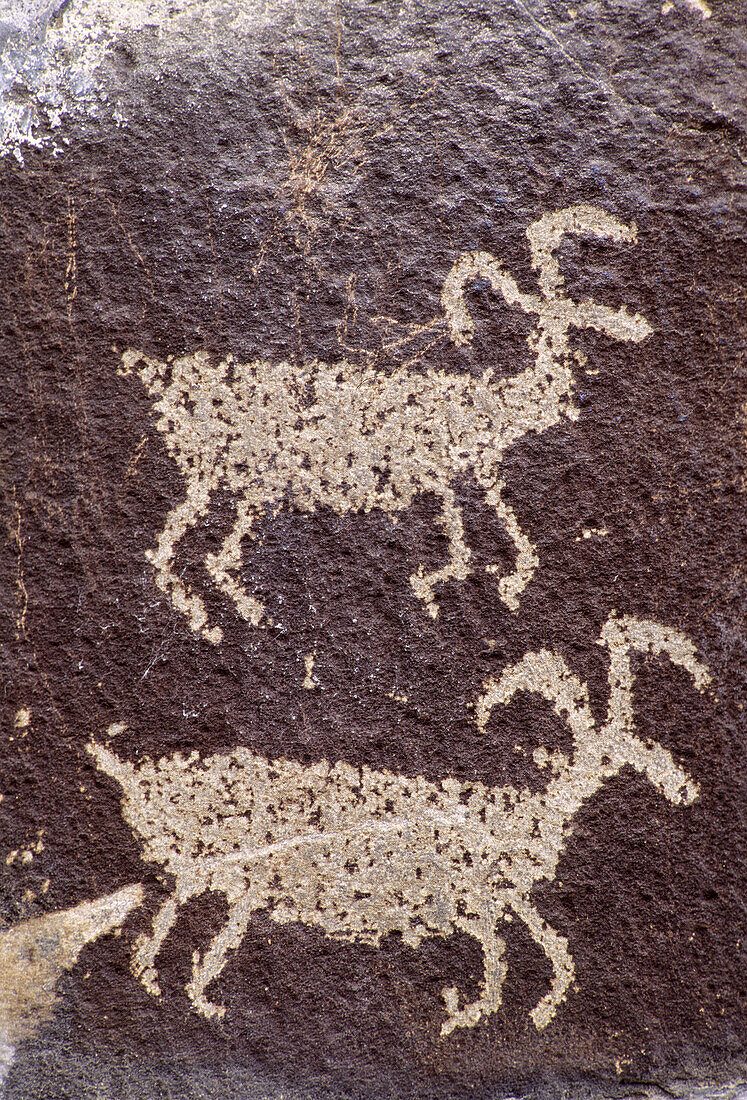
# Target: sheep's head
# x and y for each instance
(542, 393)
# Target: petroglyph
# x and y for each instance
(354, 438)
(362, 853)
(309, 680)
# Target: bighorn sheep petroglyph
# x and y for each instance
(362, 853)
(355, 438)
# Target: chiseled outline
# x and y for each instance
(361, 853)
(353, 438)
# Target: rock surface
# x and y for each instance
(335, 515)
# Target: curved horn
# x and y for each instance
(547, 232)
(548, 675)
(620, 635)
(479, 265)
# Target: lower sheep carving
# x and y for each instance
(361, 853)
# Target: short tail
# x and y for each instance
(109, 763)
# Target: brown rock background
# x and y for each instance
(301, 193)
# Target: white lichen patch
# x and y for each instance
(33, 956)
(50, 58)
(354, 438)
(52, 55)
(361, 853)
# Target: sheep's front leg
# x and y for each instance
(147, 947)
(490, 991)
(178, 522)
(459, 555)
(224, 566)
(556, 950)
(510, 586)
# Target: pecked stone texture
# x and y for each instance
(295, 189)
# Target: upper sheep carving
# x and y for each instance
(354, 438)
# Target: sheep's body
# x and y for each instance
(362, 853)
(355, 438)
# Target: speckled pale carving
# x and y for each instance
(362, 853)
(353, 438)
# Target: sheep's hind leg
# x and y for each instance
(556, 949)
(510, 586)
(459, 555)
(227, 562)
(490, 991)
(207, 969)
(147, 947)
